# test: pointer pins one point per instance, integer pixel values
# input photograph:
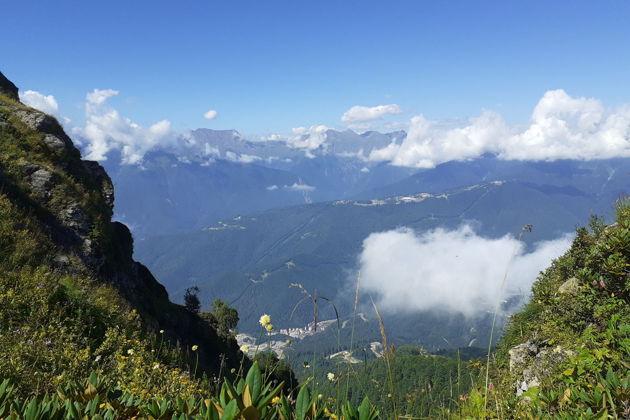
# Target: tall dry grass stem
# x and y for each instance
(526, 228)
(388, 354)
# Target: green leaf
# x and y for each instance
(267, 398)
(302, 403)
(230, 411)
(254, 380)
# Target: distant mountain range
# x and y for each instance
(245, 219)
(218, 174)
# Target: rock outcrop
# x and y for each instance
(72, 200)
(7, 88)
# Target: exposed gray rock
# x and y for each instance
(532, 363)
(7, 88)
(520, 355)
(107, 187)
(529, 380)
(56, 143)
(74, 217)
(37, 120)
(570, 287)
(40, 182)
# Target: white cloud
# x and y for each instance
(561, 127)
(241, 158)
(299, 187)
(365, 113)
(455, 271)
(273, 137)
(308, 138)
(99, 96)
(210, 115)
(45, 103)
(272, 187)
(105, 130)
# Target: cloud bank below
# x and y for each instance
(451, 271)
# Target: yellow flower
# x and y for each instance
(244, 348)
(320, 397)
(330, 376)
(265, 320)
(326, 411)
(161, 331)
(195, 347)
(269, 327)
(275, 400)
(333, 416)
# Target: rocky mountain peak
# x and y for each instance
(7, 88)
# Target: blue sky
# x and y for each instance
(268, 66)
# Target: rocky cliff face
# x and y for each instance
(72, 200)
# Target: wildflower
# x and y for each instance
(330, 376)
(130, 352)
(161, 331)
(97, 358)
(491, 386)
(602, 284)
(320, 397)
(244, 348)
(333, 416)
(326, 411)
(288, 341)
(463, 397)
(233, 370)
(195, 347)
(101, 405)
(265, 320)
(156, 366)
(275, 400)
(269, 327)
(389, 395)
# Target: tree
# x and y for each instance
(191, 299)
(225, 315)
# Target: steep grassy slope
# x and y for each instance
(567, 353)
(72, 299)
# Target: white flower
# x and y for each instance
(330, 376)
(130, 352)
(244, 348)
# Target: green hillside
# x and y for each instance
(567, 353)
(72, 300)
